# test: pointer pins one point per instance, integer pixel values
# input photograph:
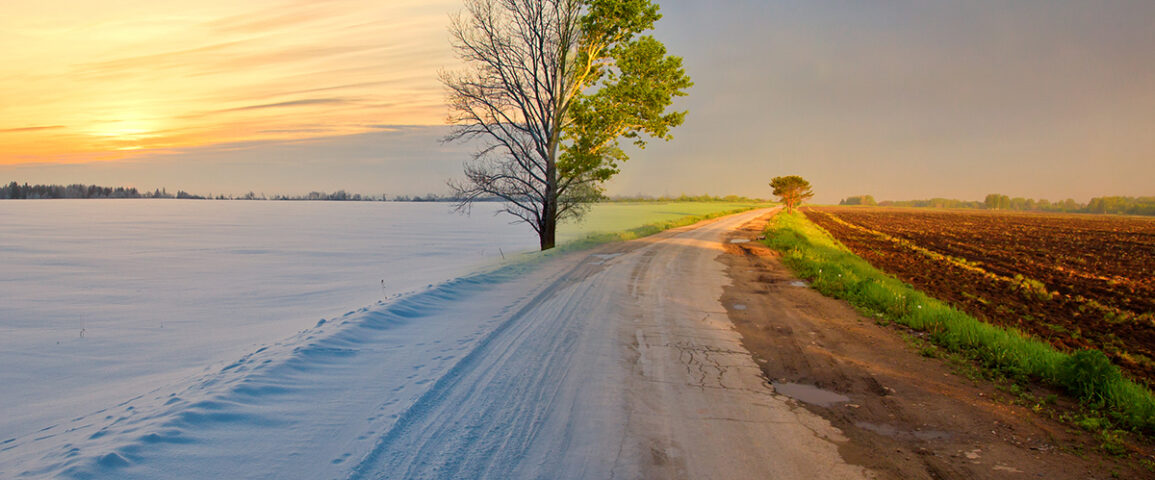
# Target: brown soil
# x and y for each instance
(908, 416)
(1100, 268)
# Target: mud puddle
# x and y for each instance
(810, 394)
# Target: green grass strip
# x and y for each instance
(835, 271)
(598, 238)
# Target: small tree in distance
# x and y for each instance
(792, 189)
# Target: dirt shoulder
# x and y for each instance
(906, 415)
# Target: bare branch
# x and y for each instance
(544, 149)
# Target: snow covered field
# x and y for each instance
(101, 301)
(222, 340)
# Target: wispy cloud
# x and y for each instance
(265, 20)
(187, 58)
(217, 71)
(30, 129)
(292, 103)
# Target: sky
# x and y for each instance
(898, 99)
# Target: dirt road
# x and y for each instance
(618, 363)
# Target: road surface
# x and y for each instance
(621, 363)
(615, 362)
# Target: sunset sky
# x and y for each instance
(899, 99)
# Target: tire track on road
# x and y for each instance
(621, 365)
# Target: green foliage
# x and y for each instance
(936, 202)
(684, 198)
(833, 270)
(617, 222)
(1122, 205)
(995, 201)
(792, 189)
(859, 200)
(1088, 374)
(1111, 441)
(610, 21)
(631, 83)
(550, 87)
(1032, 289)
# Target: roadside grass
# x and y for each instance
(1115, 401)
(622, 221)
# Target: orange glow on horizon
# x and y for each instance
(121, 79)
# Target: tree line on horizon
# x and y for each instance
(16, 191)
(1120, 205)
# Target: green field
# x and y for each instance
(626, 220)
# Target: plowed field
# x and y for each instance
(1078, 281)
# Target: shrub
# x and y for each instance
(1087, 374)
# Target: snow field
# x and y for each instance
(155, 389)
(289, 410)
(169, 292)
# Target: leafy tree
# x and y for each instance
(859, 200)
(550, 88)
(792, 189)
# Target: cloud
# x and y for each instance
(292, 103)
(31, 129)
(305, 102)
(266, 20)
(153, 62)
(343, 87)
(298, 130)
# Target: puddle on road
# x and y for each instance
(797, 283)
(810, 394)
(738, 306)
(739, 240)
(894, 432)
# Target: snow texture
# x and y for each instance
(106, 302)
(617, 363)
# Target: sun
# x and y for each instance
(127, 134)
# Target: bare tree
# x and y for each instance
(546, 144)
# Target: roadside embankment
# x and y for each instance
(835, 271)
(939, 418)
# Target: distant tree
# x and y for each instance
(997, 201)
(792, 189)
(859, 200)
(1122, 205)
(550, 87)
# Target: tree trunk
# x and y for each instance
(550, 202)
(548, 233)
